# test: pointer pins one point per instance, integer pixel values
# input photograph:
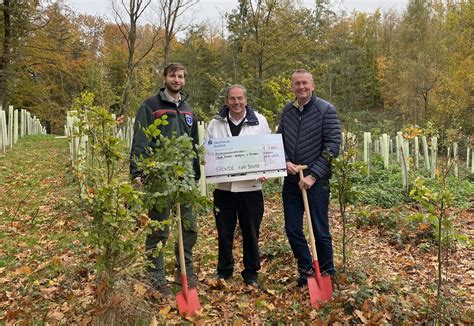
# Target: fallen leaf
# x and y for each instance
(24, 270)
(139, 290)
(360, 314)
(56, 315)
(165, 310)
(50, 291)
(365, 306)
(11, 314)
(375, 318)
(153, 321)
(86, 321)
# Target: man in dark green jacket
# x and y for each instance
(181, 119)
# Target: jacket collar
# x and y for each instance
(308, 104)
(162, 96)
(250, 117)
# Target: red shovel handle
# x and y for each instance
(182, 265)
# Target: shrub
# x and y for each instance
(110, 205)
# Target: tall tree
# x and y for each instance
(16, 17)
(92, 45)
(453, 98)
(253, 31)
(170, 12)
(345, 66)
(49, 68)
(319, 58)
(388, 35)
(414, 63)
(366, 35)
(127, 17)
(5, 59)
(267, 41)
(204, 53)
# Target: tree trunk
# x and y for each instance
(440, 262)
(166, 52)
(5, 59)
(124, 107)
(171, 10)
(425, 102)
(128, 29)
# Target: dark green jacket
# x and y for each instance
(181, 121)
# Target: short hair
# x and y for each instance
(302, 71)
(235, 86)
(172, 67)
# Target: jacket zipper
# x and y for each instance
(298, 137)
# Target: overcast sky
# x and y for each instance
(212, 10)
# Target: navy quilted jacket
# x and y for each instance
(311, 137)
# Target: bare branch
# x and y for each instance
(154, 40)
(144, 7)
(119, 21)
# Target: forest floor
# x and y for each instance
(46, 275)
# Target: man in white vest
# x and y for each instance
(242, 200)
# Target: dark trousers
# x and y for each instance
(318, 198)
(160, 236)
(247, 208)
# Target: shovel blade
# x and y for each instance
(321, 291)
(188, 304)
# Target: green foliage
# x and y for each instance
(204, 55)
(383, 279)
(111, 204)
(271, 188)
(275, 94)
(114, 209)
(436, 202)
(460, 190)
(399, 227)
(359, 121)
(453, 97)
(345, 168)
(415, 61)
(411, 64)
(382, 187)
(386, 221)
(168, 174)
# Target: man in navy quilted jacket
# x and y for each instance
(311, 135)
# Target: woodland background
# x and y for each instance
(403, 256)
(386, 69)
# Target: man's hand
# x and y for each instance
(307, 182)
(292, 168)
(262, 179)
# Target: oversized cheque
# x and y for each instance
(244, 158)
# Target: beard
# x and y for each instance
(173, 88)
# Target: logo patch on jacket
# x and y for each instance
(189, 119)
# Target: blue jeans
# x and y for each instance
(318, 198)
